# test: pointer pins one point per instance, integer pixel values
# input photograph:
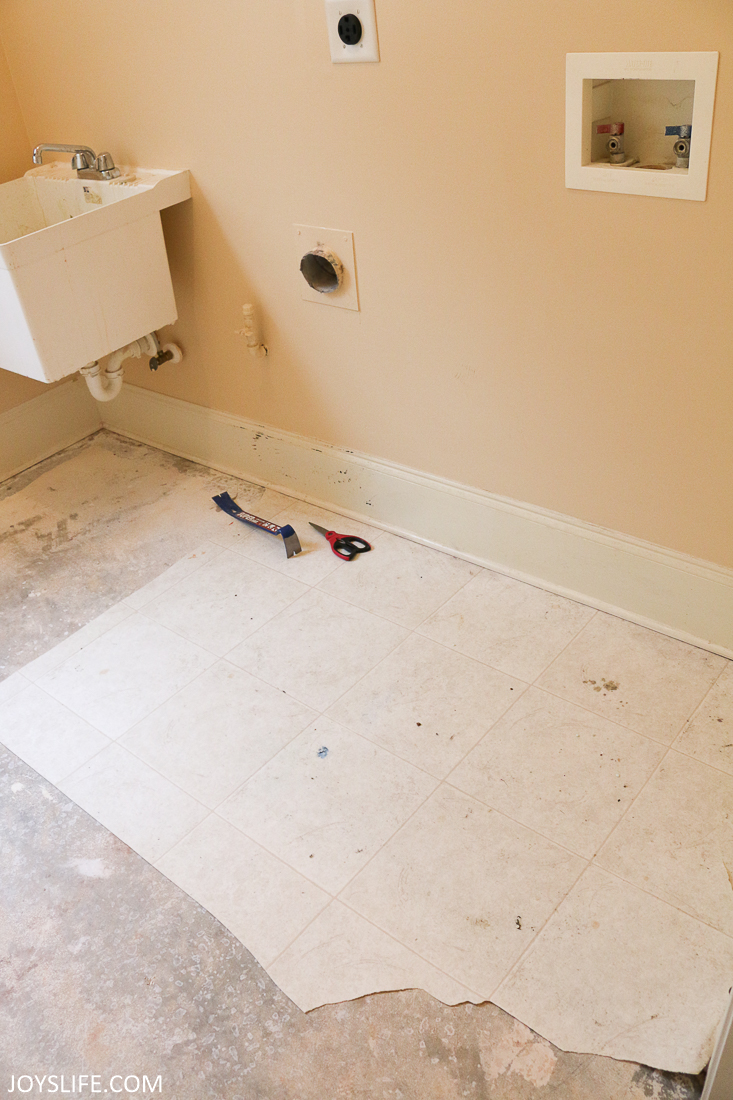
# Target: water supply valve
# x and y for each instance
(615, 143)
(682, 146)
(163, 356)
(166, 353)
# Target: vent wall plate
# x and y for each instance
(339, 242)
(600, 86)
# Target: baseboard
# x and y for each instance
(668, 591)
(46, 424)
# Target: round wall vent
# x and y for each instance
(322, 270)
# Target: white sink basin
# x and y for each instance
(83, 266)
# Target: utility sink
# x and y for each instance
(83, 266)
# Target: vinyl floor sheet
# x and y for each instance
(410, 771)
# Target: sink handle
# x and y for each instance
(82, 160)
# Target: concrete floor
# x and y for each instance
(107, 968)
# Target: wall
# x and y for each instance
(568, 349)
(15, 158)
(15, 152)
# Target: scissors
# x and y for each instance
(345, 547)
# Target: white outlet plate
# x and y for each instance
(341, 243)
(365, 50)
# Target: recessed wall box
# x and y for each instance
(650, 96)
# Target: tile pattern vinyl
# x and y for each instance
(409, 771)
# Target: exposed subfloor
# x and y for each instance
(108, 968)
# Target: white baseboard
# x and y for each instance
(668, 591)
(44, 425)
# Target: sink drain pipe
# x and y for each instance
(105, 384)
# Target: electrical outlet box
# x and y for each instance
(352, 30)
(622, 114)
(339, 243)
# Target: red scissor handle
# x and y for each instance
(345, 547)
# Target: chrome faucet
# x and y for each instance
(88, 165)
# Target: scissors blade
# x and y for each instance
(321, 530)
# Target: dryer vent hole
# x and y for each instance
(320, 272)
(350, 30)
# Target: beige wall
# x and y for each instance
(15, 149)
(569, 349)
(15, 159)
